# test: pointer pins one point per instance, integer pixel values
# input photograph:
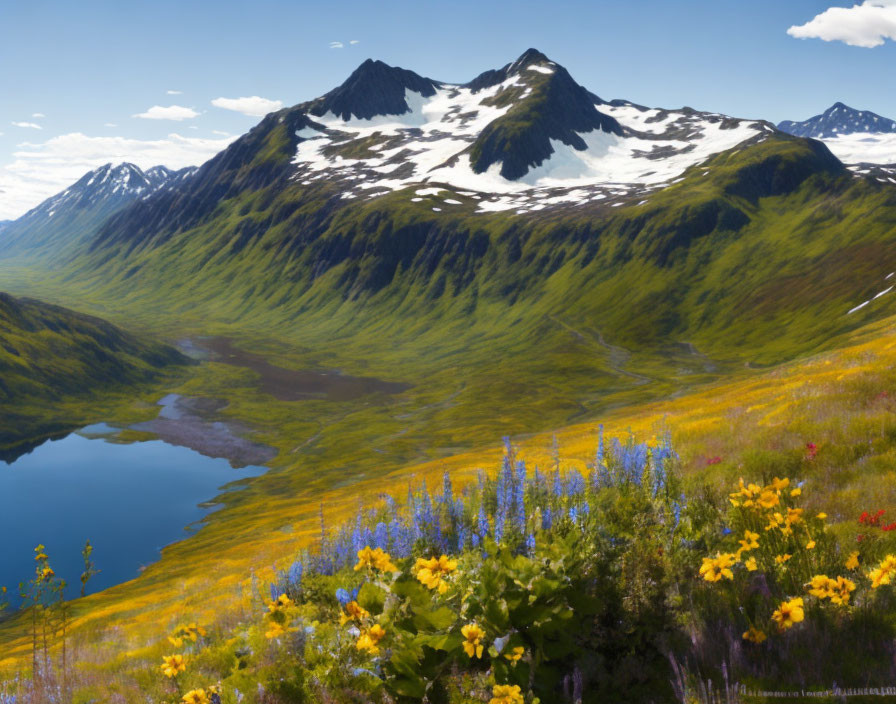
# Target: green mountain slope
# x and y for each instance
(51, 356)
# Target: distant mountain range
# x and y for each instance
(59, 224)
(839, 120)
(854, 136)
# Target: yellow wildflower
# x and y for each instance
(754, 635)
(822, 515)
(789, 613)
(750, 564)
(796, 492)
(431, 572)
(821, 586)
(195, 696)
(884, 572)
(781, 559)
(173, 665)
(746, 492)
(46, 574)
(516, 654)
(506, 694)
(794, 515)
(714, 568)
(852, 562)
(370, 639)
(842, 590)
(275, 630)
(749, 542)
(374, 558)
(281, 603)
(473, 635)
(779, 485)
(774, 520)
(353, 612)
(810, 545)
(768, 499)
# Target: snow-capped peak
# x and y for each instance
(854, 136)
(525, 136)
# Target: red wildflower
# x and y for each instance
(811, 450)
(891, 526)
(713, 460)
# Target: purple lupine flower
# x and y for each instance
(575, 483)
(520, 497)
(381, 536)
(482, 522)
(530, 544)
(547, 518)
(447, 494)
(558, 489)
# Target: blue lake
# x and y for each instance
(129, 500)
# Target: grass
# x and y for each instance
(833, 400)
(648, 317)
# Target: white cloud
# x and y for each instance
(174, 92)
(172, 112)
(355, 41)
(866, 25)
(40, 170)
(336, 45)
(252, 105)
(29, 125)
(38, 115)
(223, 134)
(110, 124)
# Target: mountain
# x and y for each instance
(854, 136)
(838, 120)
(522, 138)
(404, 214)
(71, 217)
(51, 357)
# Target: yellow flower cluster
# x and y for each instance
(190, 632)
(353, 612)
(278, 616)
(506, 694)
(754, 496)
(173, 665)
(196, 696)
(281, 603)
(714, 568)
(837, 590)
(473, 636)
(884, 572)
(516, 654)
(370, 639)
(765, 507)
(369, 558)
(431, 572)
(789, 613)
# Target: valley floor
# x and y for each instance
(330, 460)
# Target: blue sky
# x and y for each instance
(83, 71)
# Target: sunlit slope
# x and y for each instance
(841, 401)
(756, 255)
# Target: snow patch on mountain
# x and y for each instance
(431, 143)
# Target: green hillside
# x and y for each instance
(52, 358)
